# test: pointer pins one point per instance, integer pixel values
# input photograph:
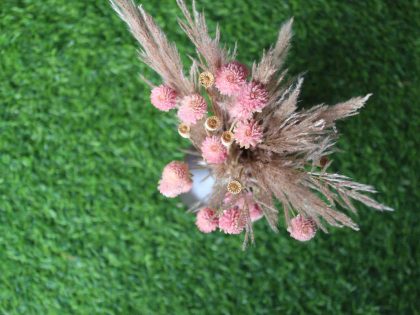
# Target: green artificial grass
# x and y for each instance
(83, 229)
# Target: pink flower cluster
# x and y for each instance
(192, 107)
(233, 219)
(245, 200)
(301, 228)
(250, 97)
(176, 179)
(247, 98)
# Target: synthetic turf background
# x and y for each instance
(83, 229)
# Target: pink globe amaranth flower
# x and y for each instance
(301, 228)
(213, 150)
(193, 108)
(230, 78)
(248, 133)
(255, 212)
(166, 189)
(163, 97)
(176, 179)
(252, 98)
(239, 112)
(206, 220)
(231, 221)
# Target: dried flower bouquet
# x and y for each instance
(248, 131)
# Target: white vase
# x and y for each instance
(202, 183)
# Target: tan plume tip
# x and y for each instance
(212, 123)
(184, 130)
(206, 79)
(234, 187)
(227, 138)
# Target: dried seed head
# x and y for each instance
(234, 187)
(206, 79)
(212, 123)
(227, 138)
(184, 130)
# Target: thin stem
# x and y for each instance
(233, 125)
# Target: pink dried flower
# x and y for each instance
(231, 221)
(252, 98)
(206, 220)
(193, 108)
(176, 179)
(255, 211)
(213, 150)
(248, 133)
(231, 77)
(301, 228)
(163, 97)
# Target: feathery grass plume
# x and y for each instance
(282, 158)
(156, 51)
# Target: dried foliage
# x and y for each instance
(289, 164)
